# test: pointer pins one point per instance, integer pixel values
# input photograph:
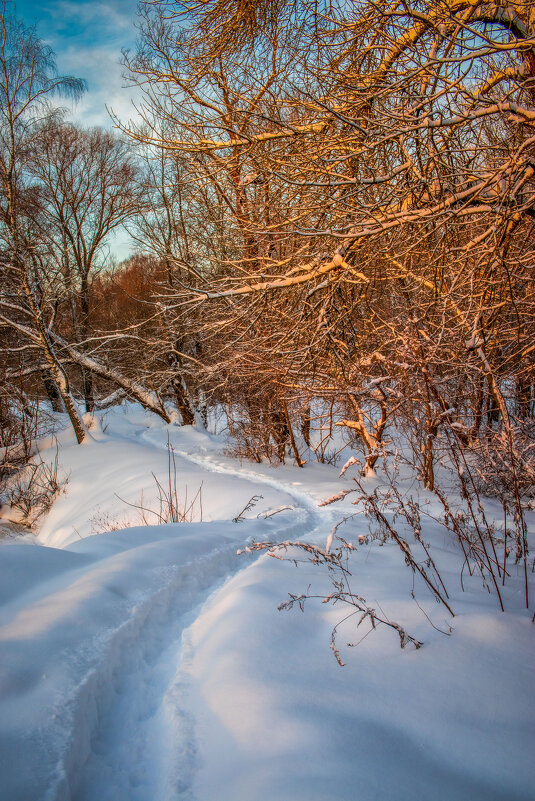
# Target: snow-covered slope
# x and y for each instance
(150, 663)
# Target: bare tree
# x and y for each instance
(89, 187)
(28, 81)
(37, 259)
(375, 162)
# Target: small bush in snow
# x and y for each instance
(34, 490)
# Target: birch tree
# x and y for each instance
(28, 82)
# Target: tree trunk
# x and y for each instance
(182, 402)
(148, 399)
(52, 391)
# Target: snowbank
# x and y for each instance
(151, 662)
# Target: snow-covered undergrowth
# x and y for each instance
(150, 663)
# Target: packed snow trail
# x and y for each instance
(102, 643)
(144, 745)
(96, 725)
(134, 745)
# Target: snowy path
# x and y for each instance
(143, 746)
(215, 463)
(105, 717)
(144, 743)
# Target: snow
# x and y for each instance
(150, 662)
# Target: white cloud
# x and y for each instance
(88, 38)
(100, 19)
(107, 86)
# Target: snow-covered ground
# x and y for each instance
(150, 662)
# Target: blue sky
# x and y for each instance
(87, 37)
